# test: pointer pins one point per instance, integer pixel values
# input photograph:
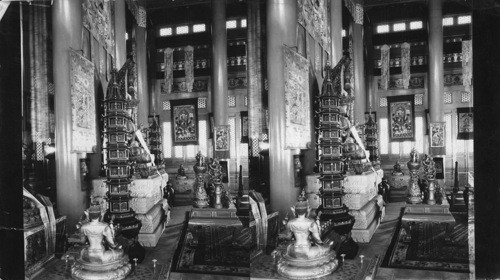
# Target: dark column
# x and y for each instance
(66, 32)
(219, 65)
(11, 176)
(486, 84)
(281, 29)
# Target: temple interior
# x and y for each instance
(249, 139)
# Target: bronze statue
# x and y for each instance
(303, 259)
(181, 173)
(303, 227)
(200, 194)
(95, 261)
(397, 169)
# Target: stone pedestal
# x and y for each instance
(367, 219)
(118, 270)
(145, 193)
(153, 224)
(364, 203)
(300, 269)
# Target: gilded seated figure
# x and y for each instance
(303, 227)
(95, 261)
(302, 259)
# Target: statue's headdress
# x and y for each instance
(94, 210)
(302, 205)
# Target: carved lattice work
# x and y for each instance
(466, 96)
(166, 105)
(202, 103)
(448, 98)
(383, 102)
(231, 101)
(419, 99)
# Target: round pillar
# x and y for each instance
(219, 62)
(66, 30)
(336, 31)
(120, 42)
(436, 81)
(281, 29)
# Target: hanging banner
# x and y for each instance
(184, 121)
(313, 16)
(297, 111)
(465, 123)
(384, 57)
(467, 64)
(356, 11)
(83, 113)
(188, 67)
(98, 17)
(405, 64)
(401, 113)
(168, 61)
(138, 12)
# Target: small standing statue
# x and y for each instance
(95, 261)
(414, 195)
(181, 173)
(303, 259)
(200, 194)
(215, 171)
(397, 169)
(430, 173)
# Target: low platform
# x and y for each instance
(213, 216)
(424, 213)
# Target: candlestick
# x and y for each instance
(343, 258)
(362, 257)
(135, 265)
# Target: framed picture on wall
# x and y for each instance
(439, 165)
(211, 124)
(244, 126)
(184, 121)
(401, 114)
(465, 123)
(221, 138)
(437, 134)
(427, 121)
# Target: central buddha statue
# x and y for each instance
(304, 259)
(95, 261)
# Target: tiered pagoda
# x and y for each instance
(332, 212)
(117, 120)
